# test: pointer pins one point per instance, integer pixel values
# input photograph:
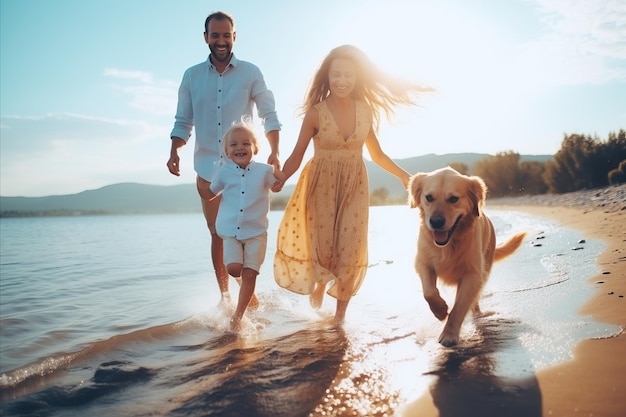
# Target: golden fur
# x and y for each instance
(456, 243)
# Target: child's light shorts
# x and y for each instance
(249, 252)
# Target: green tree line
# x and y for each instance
(582, 162)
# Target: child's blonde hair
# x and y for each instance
(244, 125)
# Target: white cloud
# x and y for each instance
(156, 97)
(584, 42)
(142, 77)
(69, 153)
(599, 26)
(39, 132)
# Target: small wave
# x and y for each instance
(558, 274)
(610, 336)
(39, 369)
(540, 286)
(109, 377)
(60, 361)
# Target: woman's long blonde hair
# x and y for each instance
(378, 90)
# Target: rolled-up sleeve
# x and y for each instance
(183, 123)
(266, 106)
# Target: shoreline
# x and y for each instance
(592, 382)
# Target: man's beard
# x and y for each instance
(220, 56)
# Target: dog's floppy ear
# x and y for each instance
(477, 192)
(415, 189)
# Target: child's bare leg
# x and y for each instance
(254, 302)
(246, 293)
(236, 270)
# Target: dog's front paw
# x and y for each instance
(483, 314)
(448, 338)
(438, 306)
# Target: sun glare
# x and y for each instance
(451, 50)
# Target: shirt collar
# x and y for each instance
(236, 167)
(233, 61)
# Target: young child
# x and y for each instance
(242, 220)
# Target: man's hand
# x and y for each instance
(272, 138)
(273, 160)
(173, 164)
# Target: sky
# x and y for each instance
(89, 88)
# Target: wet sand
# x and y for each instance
(593, 383)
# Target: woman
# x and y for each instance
(323, 234)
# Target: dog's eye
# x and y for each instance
(430, 198)
(453, 199)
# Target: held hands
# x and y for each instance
(280, 180)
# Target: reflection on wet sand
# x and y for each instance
(467, 381)
(361, 387)
(286, 376)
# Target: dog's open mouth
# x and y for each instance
(442, 237)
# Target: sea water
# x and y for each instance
(118, 315)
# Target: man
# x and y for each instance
(212, 96)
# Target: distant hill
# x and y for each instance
(141, 198)
(116, 198)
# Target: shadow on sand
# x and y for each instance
(468, 383)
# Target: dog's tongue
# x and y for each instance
(441, 237)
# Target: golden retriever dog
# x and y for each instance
(456, 243)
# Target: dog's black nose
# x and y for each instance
(437, 222)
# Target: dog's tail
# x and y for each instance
(509, 246)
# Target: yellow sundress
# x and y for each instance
(322, 236)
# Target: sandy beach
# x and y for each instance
(593, 383)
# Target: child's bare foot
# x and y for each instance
(235, 325)
(317, 296)
(225, 301)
